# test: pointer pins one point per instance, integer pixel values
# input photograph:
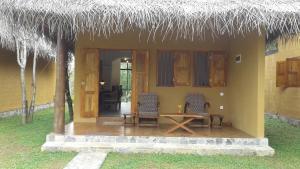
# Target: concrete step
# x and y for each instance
(152, 144)
(160, 148)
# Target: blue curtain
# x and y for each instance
(165, 69)
(201, 69)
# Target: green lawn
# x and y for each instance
(20, 145)
(283, 137)
(20, 148)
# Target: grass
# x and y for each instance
(20, 148)
(20, 145)
(285, 139)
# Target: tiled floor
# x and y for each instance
(120, 130)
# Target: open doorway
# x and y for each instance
(115, 79)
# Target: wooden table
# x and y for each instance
(131, 117)
(186, 118)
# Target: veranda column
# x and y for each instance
(59, 100)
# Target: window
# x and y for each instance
(175, 68)
(125, 78)
(288, 73)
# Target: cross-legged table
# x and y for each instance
(187, 118)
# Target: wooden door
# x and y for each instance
(90, 84)
(140, 75)
(217, 64)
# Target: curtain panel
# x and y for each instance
(165, 69)
(201, 69)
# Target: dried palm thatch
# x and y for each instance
(186, 19)
(10, 35)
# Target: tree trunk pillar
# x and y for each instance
(59, 100)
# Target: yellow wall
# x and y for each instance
(278, 100)
(246, 85)
(131, 41)
(170, 97)
(10, 88)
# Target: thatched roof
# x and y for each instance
(10, 34)
(186, 19)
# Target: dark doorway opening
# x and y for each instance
(115, 82)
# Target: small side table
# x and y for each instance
(217, 116)
(129, 118)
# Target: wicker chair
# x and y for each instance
(195, 103)
(148, 109)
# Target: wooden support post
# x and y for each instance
(59, 100)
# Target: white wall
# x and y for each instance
(115, 76)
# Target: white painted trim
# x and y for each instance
(17, 112)
(291, 121)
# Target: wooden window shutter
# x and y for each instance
(217, 74)
(293, 72)
(281, 74)
(140, 75)
(182, 68)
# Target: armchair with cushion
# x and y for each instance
(148, 109)
(195, 103)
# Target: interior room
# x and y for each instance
(115, 82)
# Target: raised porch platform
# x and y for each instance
(132, 139)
